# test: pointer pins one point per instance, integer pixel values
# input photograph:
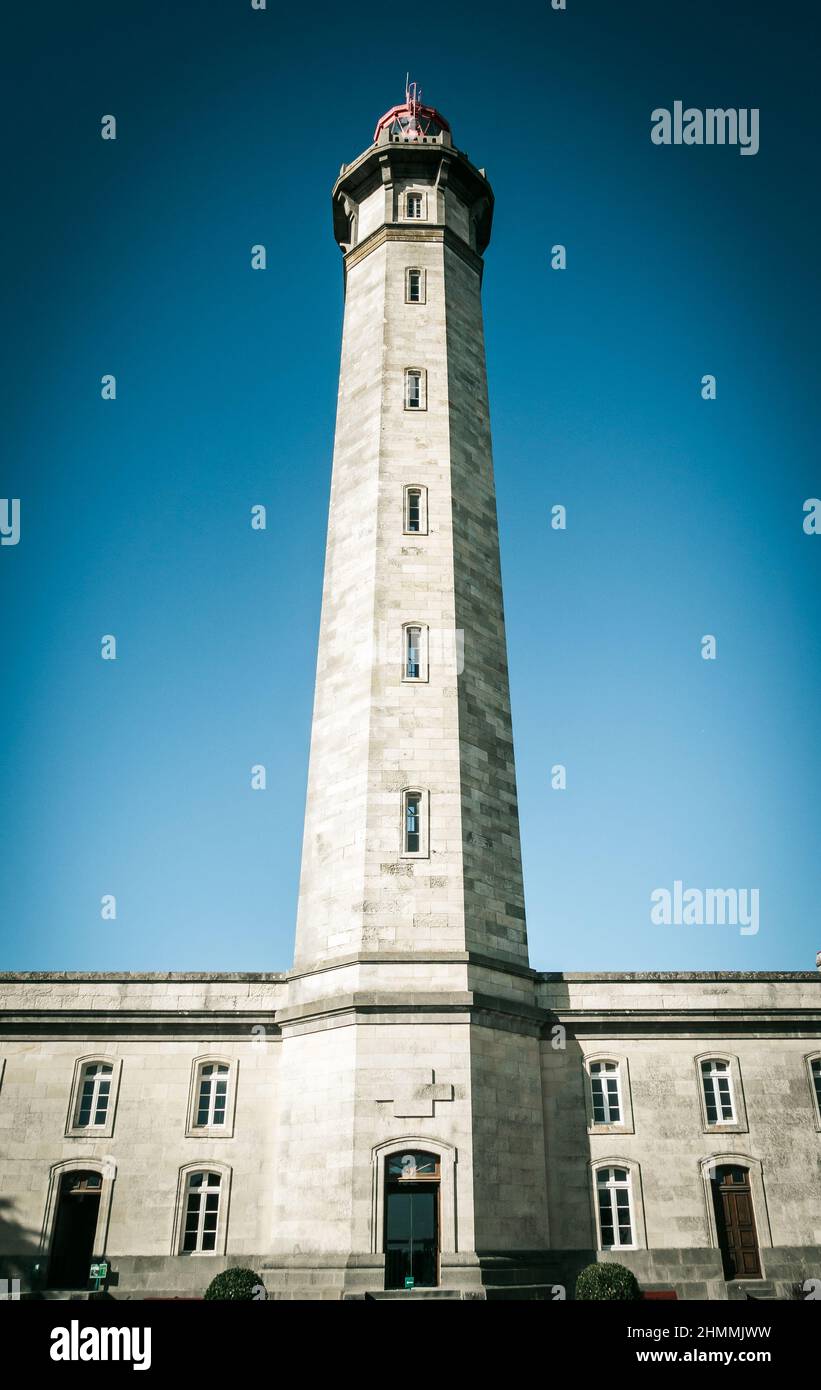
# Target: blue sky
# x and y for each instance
(684, 516)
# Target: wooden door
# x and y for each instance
(735, 1223)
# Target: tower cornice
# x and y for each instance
(403, 232)
(438, 164)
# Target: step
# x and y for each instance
(757, 1290)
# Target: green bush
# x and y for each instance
(235, 1283)
(607, 1281)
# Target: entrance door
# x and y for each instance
(412, 1221)
(75, 1226)
(735, 1223)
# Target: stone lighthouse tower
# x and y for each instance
(409, 1144)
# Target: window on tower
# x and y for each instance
(414, 389)
(414, 824)
(415, 205)
(415, 286)
(413, 805)
(416, 511)
(414, 652)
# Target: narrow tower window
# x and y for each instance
(416, 510)
(413, 822)
(413, 653)
(815, 1071)
(413, 389)
(415, 286)
(414, 205)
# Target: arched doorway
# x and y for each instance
(735, 1222)
(75, 1229)
(412, 1181)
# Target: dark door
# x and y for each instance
(411, 1235)
(735, 1223)
(72, 1245)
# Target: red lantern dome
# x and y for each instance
(412, 120)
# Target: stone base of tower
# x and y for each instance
(526, 1275)
(363, 1276)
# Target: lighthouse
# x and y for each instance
(409, 1134)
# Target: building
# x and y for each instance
(412, 1107)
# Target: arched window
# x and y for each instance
(814, 1075)
(94, 1096)
(605, 1092)
(414, 285)
(213, 1094)
(414, 205)
(414, 824)
(414, 389)
(415, 652)
(416, 511)
(718, 1092)
(614, 1207)
(608, 1100)
(212, 1097)
(203, 1191)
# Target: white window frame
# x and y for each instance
(611, 1186)
(73, 1129)
(181, 1209)
(421, 194)
(813, 1059)
(738, 1124)
(424, 649)
(625, 1124)
(423, 389)
(423, 509)
(212, 1131)
(635, 1195)
(423, 852)
(416, 270)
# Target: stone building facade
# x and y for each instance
(412, 1110)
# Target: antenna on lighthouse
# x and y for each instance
(413, 98)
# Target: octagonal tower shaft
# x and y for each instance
(411, 841)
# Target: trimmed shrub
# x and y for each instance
(235, 1283)
(607, 1281)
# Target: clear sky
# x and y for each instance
(685, 516)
